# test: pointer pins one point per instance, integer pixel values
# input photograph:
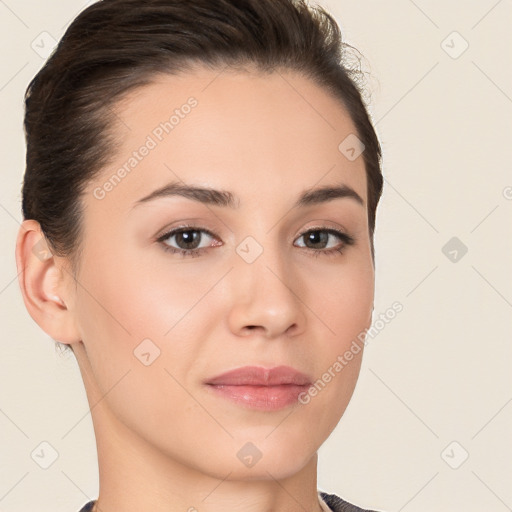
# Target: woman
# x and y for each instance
(199, 201)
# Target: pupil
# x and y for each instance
(185, 237)
(317, 237)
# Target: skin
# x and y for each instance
(165, 443)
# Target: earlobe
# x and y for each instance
(42, 284)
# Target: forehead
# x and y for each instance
(234, 130)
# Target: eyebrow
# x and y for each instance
(225, 198)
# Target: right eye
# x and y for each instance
(187, 239)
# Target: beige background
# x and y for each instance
(438, 373)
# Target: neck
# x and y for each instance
(135, 476)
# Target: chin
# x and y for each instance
(263, 459)
(279, 458)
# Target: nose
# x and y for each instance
(266, 297)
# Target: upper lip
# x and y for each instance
(259, 376)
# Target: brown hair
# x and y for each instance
(114, 46)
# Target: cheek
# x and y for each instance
(130, 301)
(124, 313)
(144, 319)
(344, 307)
(139, 369)
(345, 301)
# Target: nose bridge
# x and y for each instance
(265, 287)
(262, 260)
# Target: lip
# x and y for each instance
(259, 376)
(255, 387)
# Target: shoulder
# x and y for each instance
(337, 504)
(87, 507)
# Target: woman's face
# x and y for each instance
(156, 326)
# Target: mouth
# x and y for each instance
(259, 376)
(260, 388)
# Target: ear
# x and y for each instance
(45, 284)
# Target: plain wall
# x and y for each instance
(435, 385)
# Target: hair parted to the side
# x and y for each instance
(114, 46)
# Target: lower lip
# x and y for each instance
(263, 398)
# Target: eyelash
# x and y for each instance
(346, 239)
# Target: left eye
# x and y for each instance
(321, 236)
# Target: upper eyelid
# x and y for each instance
(177, 229)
